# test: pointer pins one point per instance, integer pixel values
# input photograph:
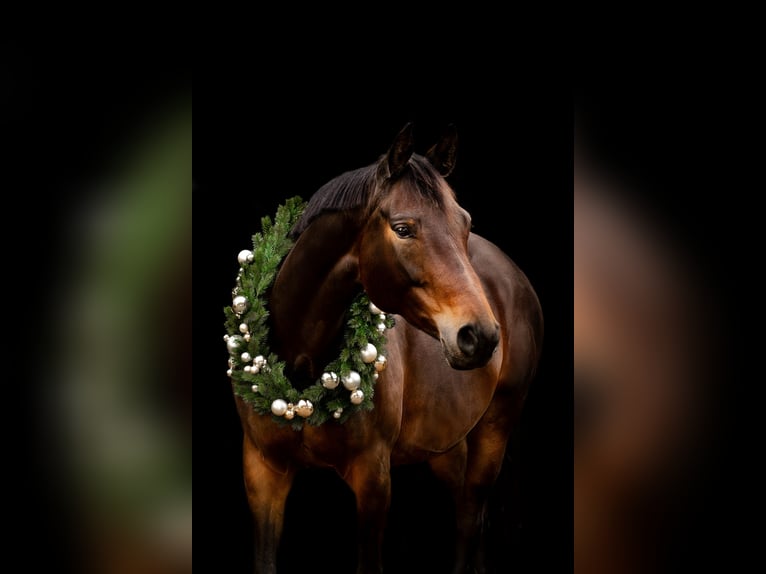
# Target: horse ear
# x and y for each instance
(442, 154)
(400, 151)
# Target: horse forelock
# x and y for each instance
(358, 189)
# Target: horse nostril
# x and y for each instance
(477, 343)
(467, 340)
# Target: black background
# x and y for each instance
(267, 132)
(258, 146)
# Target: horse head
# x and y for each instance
(413, 252)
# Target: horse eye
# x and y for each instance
(403, 231)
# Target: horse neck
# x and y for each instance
(312, 292)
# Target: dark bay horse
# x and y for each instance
(460, 359)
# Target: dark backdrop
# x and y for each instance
(254, 147)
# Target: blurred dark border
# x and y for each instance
(682, 138)
(73, 106)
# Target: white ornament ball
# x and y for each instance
(279, 407)
(233, 343)
(247, 337)
(228, 372)
(382, 317)
(239, 304)
(374, 309)
(375, 376)
(225, 337)
(259, 360)
(357, 397)
(254, 388)
(352, 380)
(336, 415)
(380, 363)
(381, 327)
(329, 380)
(255, 369)
(369, 353)
(247, 368)
(243, 328)
(246, 358)
(245, 256)
(230, 362)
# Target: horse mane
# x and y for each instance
(354, 189)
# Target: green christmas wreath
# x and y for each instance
(257, 375)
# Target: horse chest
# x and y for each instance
(330, 445)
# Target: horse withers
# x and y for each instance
(460, 358)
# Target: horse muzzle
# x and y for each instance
(472, 346)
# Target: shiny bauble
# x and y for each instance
(352, 380)
(329, 380)
(233, 343)
(239, 304)
(245, 256)
(304, 408)
(279, 407)
(369, 353)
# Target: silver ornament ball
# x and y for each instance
(243, 328)
(259, 360)
(245, 256)
(246, 337)
(289, 414)
(336, 415)
(357, 397)
(247, 368)
(369, 353)
(381, 327)
(245, 357)
(254, 388)
(329, 380)
(228, 372)
(233, 343)
(352, 380)
(279, 407)
(239, 304)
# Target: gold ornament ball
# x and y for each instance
(357, 397)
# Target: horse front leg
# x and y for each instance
(267, 492)
(369, 476)
(470, 470)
